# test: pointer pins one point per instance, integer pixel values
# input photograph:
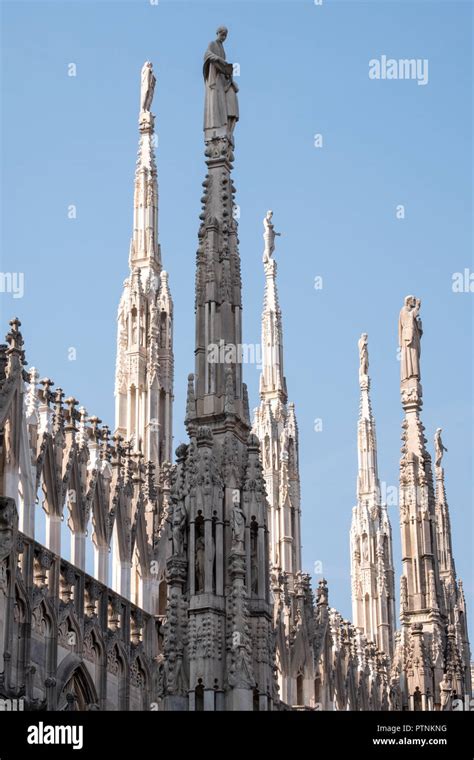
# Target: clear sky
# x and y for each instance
(303, 71)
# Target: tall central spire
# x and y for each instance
(218, 571)
(218, 352)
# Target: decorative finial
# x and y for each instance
(47, 394)
(71, 414)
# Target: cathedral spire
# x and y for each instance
(276, 427)
(144, 248)
(218, 303)
(218, 568)
(423, 616)
(368, 479)
(144, 363)
(372, 573)
(417, 507)
(144, 369)
(452, 589)
(272, 379)
(445, 549)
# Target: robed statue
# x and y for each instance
(147, 88)
(221, 108)
(440, 448)
(178, 528)
(409, 338)
(363, 355)
(237, 521)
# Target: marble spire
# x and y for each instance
(218, 352)
(218, 569)
(276, 427)
(417, 505)
(272, 378)
(445, 549)
(144, 247)
(144, 362)
(422, 613)
(452, 588)
(372, 573)
(144, 369)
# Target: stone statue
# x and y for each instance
(363, 355)
(8, 526)
(237, 523)
(445, 688)
(134, 329)
(178, 527)
(254, 557)
(439, 447)
(221, 108)
(147, 89)
(200, 547)
(365, 548)
(403, 593)
(409, 338)
(267, 452)
(269, 235)
(229, 406)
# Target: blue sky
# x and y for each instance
(304, 70)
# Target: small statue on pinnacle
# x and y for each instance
(269, 235)
(363, 355)
(440, 448)
(148, 81)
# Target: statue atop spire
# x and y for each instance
(409, 337)
(220, 583)
(439, 447)
(221, 108)
(272, 379)
(269, 237)
(148, 81)
(363, 357)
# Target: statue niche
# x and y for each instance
(254, 556)
(200, 548)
